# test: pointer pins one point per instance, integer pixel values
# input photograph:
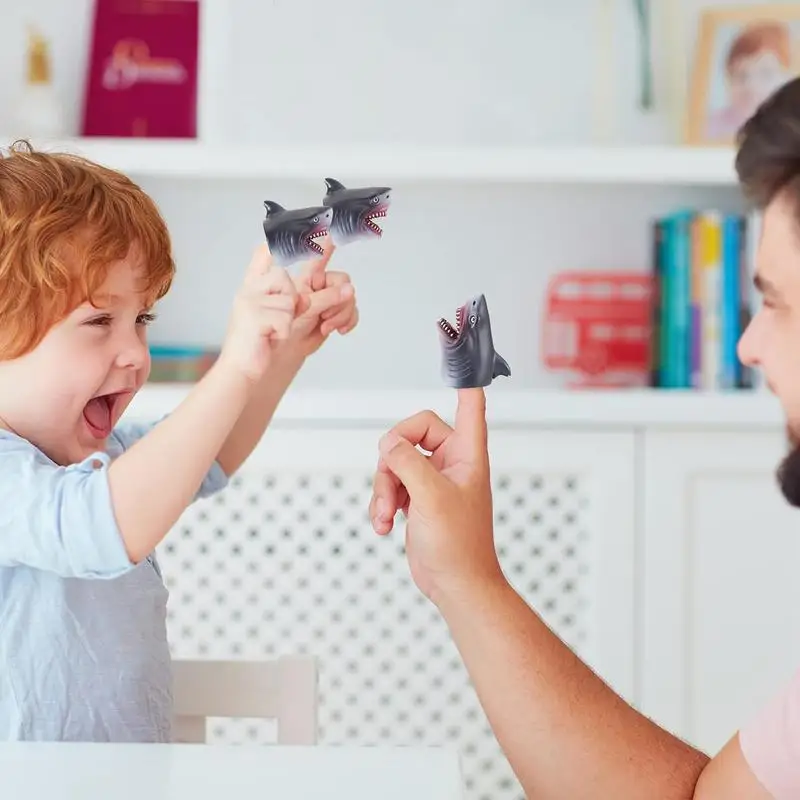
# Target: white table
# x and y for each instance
(78, 771)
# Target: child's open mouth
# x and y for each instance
(99, 414)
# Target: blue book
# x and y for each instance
(729, 312)
(677, 300)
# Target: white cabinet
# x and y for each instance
(720, 620)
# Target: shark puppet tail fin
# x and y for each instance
(500, 367)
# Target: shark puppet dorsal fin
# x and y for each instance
(332, 185)
(500, 367)
(273, 208)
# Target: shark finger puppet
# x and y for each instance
(292, 234)
(469, 359)
(355, 211)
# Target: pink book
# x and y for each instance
(142, 75)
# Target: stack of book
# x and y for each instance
(703, 299)
(179, 363)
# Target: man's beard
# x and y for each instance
(789, 471)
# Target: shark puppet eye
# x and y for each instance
(375, 199)
(315, 220)
(472, 319)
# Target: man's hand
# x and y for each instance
(446, 496)
(564, 731)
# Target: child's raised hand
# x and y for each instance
(263, 312)
(327, 303)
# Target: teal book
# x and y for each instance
(677, 300)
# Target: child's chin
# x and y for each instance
(87, 444)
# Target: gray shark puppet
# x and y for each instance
(355, 211)
(469, 359)
(292, 234)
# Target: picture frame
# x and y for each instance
(743, 54)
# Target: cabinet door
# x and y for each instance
(284, 560)
(721, 614)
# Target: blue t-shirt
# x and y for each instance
(83, 641)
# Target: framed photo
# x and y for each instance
(743, 55)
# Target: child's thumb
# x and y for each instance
(408, 464)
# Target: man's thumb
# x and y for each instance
(407, 463)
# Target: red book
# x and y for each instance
(142, 76)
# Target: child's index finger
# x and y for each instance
(313, 272)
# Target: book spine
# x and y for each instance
(680, 328)
(696, 305)
(656, 310)
(729, 305)
(711, 256)
(666, 305)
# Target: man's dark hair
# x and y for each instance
(768, 157)
(768, 165)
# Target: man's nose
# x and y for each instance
(747, 348)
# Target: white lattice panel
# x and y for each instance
(285, 560)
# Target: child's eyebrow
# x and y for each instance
(110, 298)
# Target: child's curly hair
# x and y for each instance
(64, 221)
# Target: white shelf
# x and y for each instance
(651, 408)
(614, 165)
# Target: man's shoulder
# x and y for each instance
(770, 741)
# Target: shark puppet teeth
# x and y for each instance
(451, 330)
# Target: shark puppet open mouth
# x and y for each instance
(469, 359)
(355, 210)
(292, 234)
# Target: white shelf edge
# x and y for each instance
(193, 159)
(622, 409)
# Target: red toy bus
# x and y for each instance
(599, 325)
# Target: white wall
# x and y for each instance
(421, 72)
